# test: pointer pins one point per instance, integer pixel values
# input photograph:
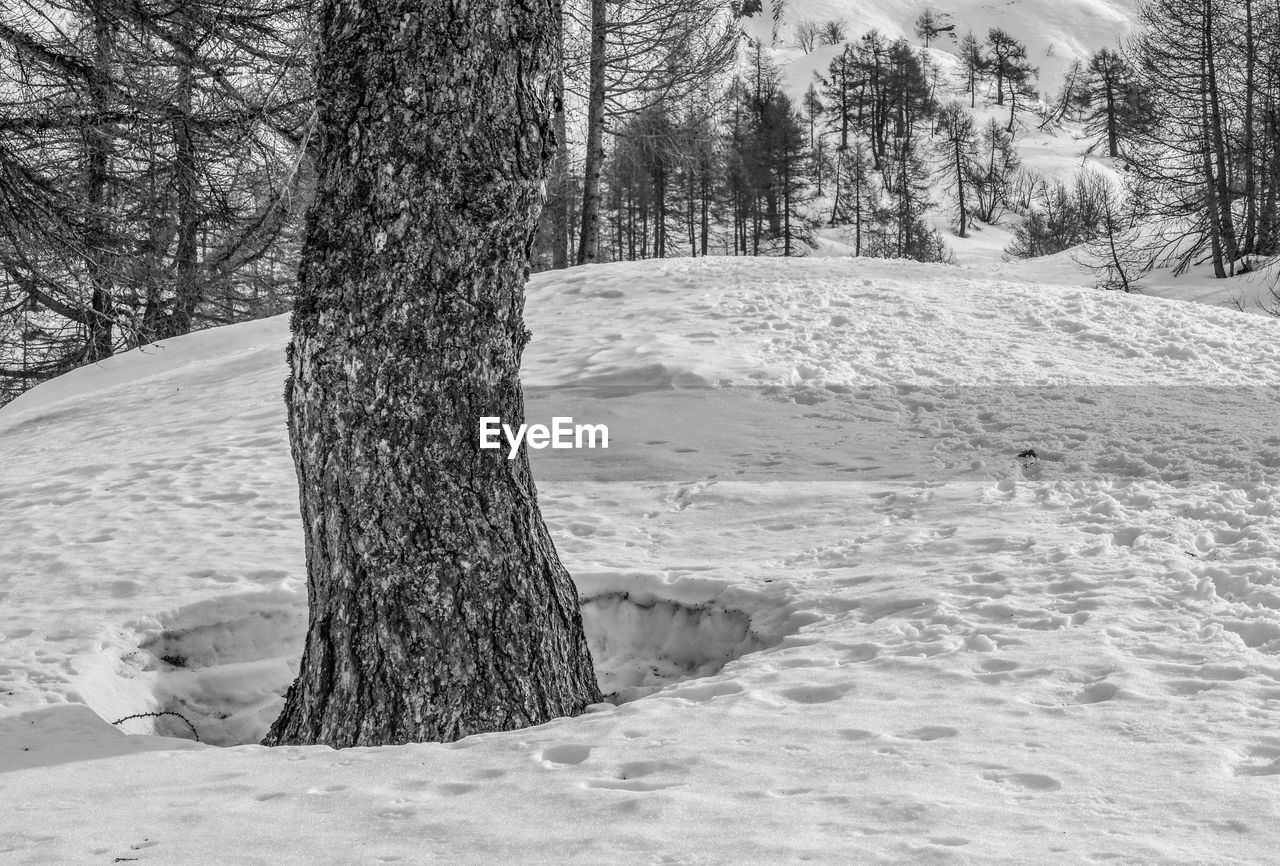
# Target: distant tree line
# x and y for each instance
(152, 163)
(1205, 162)
(1189, 112)
(156, 159)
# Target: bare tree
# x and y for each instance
(833, 31)
(1115, 255)
(807, 32)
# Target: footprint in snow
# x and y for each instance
(566, 755)
(1261, 760)
(1037, 782)
(633, 776)
(456, 789)
(857, 734)
(816, 694)
(929, 732)
(1099, 692)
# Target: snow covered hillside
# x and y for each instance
(1056, 35)
(1056, 32)
(885, 562)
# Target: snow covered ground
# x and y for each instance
(843, 619)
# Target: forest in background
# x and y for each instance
(156, 159)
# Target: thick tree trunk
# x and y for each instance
(438, 606)
(589, 242)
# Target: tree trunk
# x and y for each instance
(1113, 133)
(1226, 221)
(705, 202)
(1250, 87)
(100, 340)
(558, 200)
(786, 201)
(1210, 183)
(438, 606)
(589, 243)
(691, 214)
(187, 292)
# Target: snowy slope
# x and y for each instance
(845, 620)
(1056, 33)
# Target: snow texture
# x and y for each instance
(840, 616)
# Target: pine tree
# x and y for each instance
(929, 26)
(838, 92)
(1116, 108)
(974, 65)
(957, 150)
(813, 110)
(1007, 60)
(858, 204)
(908, 186)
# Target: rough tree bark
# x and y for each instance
(438, 606)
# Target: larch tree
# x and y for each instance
(1110, 79)
(1006, 61)
(930, 26)
(438, 607)
(1184, 167)
(974, 64)
(957, 147)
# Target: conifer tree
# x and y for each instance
(974, 64)
(957, 150)
(930, 25)
(1116, 107)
